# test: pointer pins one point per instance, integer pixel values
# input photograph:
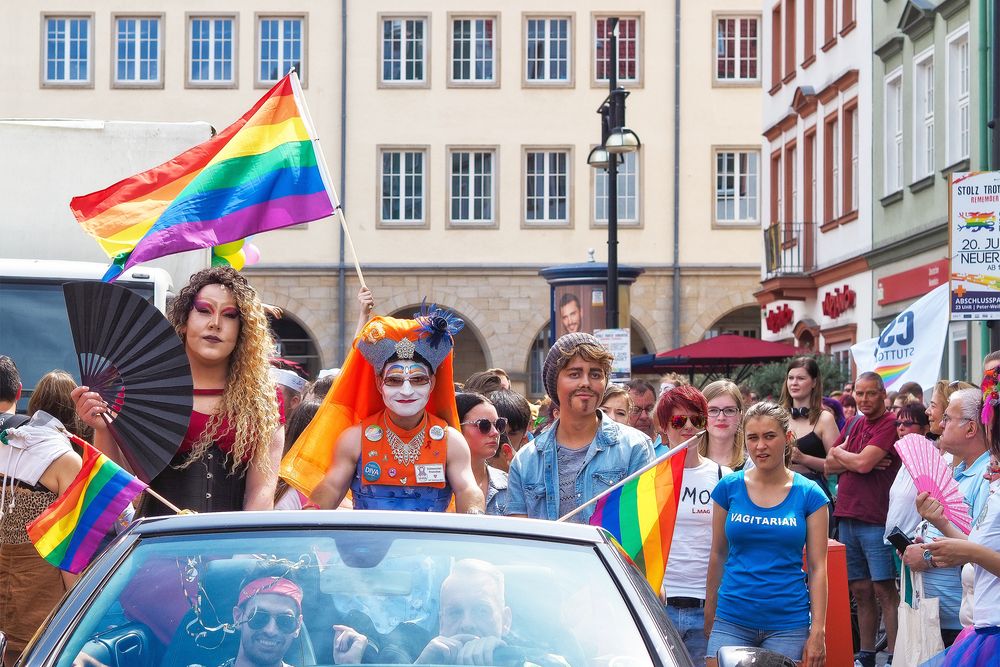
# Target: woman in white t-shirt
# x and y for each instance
(979, 645)
(680, 414)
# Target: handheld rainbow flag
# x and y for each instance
(68, 533)
(263, 172)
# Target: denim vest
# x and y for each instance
(496, 492)
(533, 483)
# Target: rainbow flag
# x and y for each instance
(640, 515)
(260, 173)
(69, 531)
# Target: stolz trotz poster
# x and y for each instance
(974, 245)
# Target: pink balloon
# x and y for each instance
(252, 252)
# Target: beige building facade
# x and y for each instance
(457, 134)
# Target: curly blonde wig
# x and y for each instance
(249, 401)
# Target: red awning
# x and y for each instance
(731, 349)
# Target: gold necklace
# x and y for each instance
(404, 452)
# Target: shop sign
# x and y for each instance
(913, 283)
(839, 301)
(779, 318)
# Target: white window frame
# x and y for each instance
(779, 214)
(957, 109)
(814, 214)
(893, 158)
(855, 118)
(547, 42)
(737, 79)
(116, 39)
(923, 114)
(629, 184)
(474, 49)
(793, 156)
(836, 170)
(547, 175)
(283, 62)
(631, 82)
(403, 179)
(752, 156)
(66, 40)
(471, 181)
(407, 42)
(213, 44)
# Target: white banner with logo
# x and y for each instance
(910, 348)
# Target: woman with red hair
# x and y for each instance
(681, 414)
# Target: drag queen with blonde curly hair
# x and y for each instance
(229, 457)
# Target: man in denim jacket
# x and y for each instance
(584, 452)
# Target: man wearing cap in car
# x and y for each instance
(269, 618)
(387, 429)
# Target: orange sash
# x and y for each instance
(380, 466)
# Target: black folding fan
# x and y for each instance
(131, 355)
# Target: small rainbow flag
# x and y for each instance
(68, 533)
(640, 514)
(892, 373)
(260, 173)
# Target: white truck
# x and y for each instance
(44, 164)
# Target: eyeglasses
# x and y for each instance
(287, 622)
(678, 421)
(636, 410)
(484, 425)
(945, 419)
(725, 412)
(907, 424)
(398, 380)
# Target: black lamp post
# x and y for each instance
(616, 140)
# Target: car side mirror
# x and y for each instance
(746, 656)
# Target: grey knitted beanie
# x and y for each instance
(566, 342)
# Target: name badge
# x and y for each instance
(429, 473)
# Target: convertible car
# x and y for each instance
(167, 592)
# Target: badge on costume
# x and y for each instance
(429, 473)
(371, 471)
(373, 433)
(436, 432)
(392, 472)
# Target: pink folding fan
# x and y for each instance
(932, 474)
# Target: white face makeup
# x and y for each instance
(406, 387)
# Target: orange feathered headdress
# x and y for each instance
(355, 397)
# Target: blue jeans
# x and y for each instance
(690, 624)
(868, 556)
(786, 642)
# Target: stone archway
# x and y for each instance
(743, 320)
(717, 310)
(304, 318)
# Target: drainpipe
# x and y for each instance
(341, 269)
(985, 20)
(676, 300)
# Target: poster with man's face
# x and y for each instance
(578, 308)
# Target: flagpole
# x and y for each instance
(670, 453)
(324, 170)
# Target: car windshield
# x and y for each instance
(413, 596)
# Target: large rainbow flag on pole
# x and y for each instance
(68, 533)
(263, 172)
(640, 513)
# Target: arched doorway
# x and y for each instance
(470, 352)
(742, 321)
(294, 343)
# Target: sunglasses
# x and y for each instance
(678, 421)
(287, 623)
(907, 424)
(485, 425)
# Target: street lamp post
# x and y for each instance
(616, 140)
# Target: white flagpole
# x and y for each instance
(670, 453)
(324, 170)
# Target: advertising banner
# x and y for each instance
(974, 245)
(619, 343)
(909, 348)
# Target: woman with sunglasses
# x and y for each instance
(681, 414)
(762, 519)
(482, 428)
(815, 429)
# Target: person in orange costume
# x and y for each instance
(392, 423)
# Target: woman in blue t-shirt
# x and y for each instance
(757, 592)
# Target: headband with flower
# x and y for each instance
(991, 393)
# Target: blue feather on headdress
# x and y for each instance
(437, 323)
